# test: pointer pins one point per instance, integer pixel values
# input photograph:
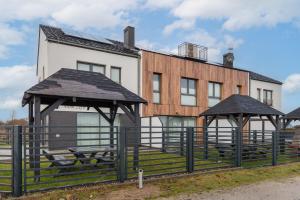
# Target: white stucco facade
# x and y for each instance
(54, 56)
(275, 88)
(256, 85)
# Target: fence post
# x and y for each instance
(254, 137)
(274, 148)
(182, 141)
(122, 155)
(238, 148)
(190, 150)
(17, 162)
(205, 143)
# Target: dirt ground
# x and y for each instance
(288, 189)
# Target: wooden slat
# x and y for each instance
(172, 69)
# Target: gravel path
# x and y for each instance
(288, 189)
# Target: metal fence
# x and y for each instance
(42, 158)
(6, 159)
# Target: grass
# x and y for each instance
(170, 186)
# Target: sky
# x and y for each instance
(265, 35)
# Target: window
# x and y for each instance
(115, 74)
(91, 67)
(188, 92)
(238, 89)
(156, 87)
(214, 93)
(258, 94)
(268, 97)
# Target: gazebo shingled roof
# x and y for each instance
(291, 116)
(237, 104)
(240, 108)
(84, 85)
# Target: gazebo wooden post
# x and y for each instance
(31, 123)
(239, 140)
(37, 125)
(217, 130)
(205, 135)
(263, 130)
(138, 136)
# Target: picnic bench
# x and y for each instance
(59, 161)
(86, 154)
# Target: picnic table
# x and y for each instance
(86, 154)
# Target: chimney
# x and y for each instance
(129, 40)
(228, 58)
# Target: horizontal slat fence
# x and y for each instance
(44, 158)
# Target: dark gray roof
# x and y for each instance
(58, 35)
(241, 104)
(259, 77)
(295, 114)
(83, 85)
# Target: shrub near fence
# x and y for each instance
(44, 158)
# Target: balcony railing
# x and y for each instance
(193, 51)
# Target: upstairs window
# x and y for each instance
(268, 97)
(115, 74)
(258, 94)
(84, 66)
(156, 85)
(188, 92)
(214, 93)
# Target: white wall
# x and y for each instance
(42, 55)
(254, 85)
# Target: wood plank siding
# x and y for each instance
(172, 69)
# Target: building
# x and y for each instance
(177, 87)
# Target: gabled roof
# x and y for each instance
(259, 77)
(295, 114)
(241, 104)
(82, 85)
(58, 35)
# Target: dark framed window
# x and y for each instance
(188, 92)
(92, 67)
(258, 94)
(115, 74)
(238, 89)
(156, 85)
(214, 93)
(268, 97)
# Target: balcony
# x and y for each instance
(194, 51)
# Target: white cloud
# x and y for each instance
(9, 36)
(239, 14)
(14, 80)
(155, 4)
(79, 14)
(179, 24)
(216, 45)
(292, 83)
(146, 44)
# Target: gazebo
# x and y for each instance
(77, 88)
(290, 117)
(239, 109)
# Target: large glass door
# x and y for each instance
(88, 132)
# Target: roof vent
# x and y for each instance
(190, 50)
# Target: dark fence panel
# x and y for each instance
(288, 147)
(213, 149)
(257, 148)
(6, 159)
(92, 157)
